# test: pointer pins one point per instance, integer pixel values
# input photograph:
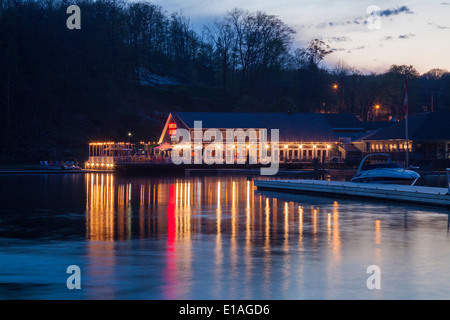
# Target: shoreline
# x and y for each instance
(24, 169)
(37, 169)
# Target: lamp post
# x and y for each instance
(129, 139)
(377, 108)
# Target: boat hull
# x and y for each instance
(387, 176)
(385, 180)
(385, 173)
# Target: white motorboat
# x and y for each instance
(384, 173)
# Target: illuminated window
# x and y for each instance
(172, 128)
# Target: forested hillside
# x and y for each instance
(132, 62)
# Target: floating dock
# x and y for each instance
(409, 194)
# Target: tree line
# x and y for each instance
(60, 88)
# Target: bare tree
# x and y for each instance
(316, 51)
(223, 36)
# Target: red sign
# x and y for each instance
(172, 128)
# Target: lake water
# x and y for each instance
(211, 237)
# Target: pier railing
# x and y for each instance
(143, 160)
(448, 180)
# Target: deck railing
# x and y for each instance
(168, 160)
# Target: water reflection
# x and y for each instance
(248, 244)
(214, 237)
(241, 224)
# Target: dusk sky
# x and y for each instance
(412, 32)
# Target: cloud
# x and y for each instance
(338, 49)
(438, 26)
(339, 39)
(363, 20)
(395, 11)
(407, 36)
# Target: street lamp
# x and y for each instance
(375, 111)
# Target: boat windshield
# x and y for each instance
(380, 166)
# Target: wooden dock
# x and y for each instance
(410, 194)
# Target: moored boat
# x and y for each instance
(384, 173)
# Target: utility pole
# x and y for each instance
(432, 102)
(406, 123)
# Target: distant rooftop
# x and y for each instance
(422, 127)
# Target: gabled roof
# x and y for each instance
(295, 127)
(219, 120)
(422, 127)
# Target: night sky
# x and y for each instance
(412, 32)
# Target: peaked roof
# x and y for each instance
(422, 127)
(295, 127)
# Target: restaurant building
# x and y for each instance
(302, 136)
(429, 139)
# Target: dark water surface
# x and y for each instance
(211, 238)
